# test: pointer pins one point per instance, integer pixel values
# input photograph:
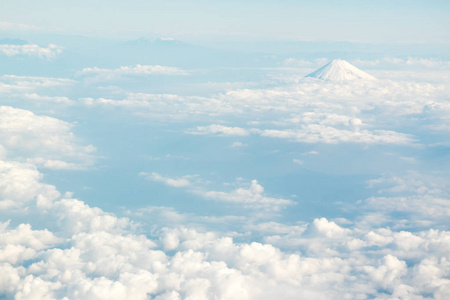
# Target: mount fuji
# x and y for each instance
(339, 70)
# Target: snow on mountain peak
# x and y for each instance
(339, 70)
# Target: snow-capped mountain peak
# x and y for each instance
(339, 70)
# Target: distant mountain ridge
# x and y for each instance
(339, 70)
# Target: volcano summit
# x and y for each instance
(339, 70)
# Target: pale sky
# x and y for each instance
(325, 20)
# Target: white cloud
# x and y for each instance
(50, 52)
(411, 182)
(237, 145)
(25, 236)
(55, 164)
(20, 184)
(251, 198)
(424, 198)
(425, 206)
(179, 182)
(42, 140)
(76, 216)
(327, 99)
(297, 161)
(35, 82)
(98, 259)
(329, 229)
(23, 243)
(311, 153)
(219, 129)
(389, 273)
(314, 133)
(19, 88)
(324, 134)
(21, 192)
(34, 287)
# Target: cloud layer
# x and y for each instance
(306, 111)
(49, 52)
(393, 243)
(100, 74)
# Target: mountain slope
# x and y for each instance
(339, 70)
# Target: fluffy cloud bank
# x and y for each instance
(70, 250)
(42, 140)
(104, 265)
(305, 110)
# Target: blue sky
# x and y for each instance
(176, 150)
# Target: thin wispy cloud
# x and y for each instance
(100, 74)
(220, 130)
(175, 182)
(49, 52)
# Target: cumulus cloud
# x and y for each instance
(101, 265)
(43, 140)
(21, 192)
(25, 236)
(49, 52)
(76, 216)
(102, 257)
(20, 184)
